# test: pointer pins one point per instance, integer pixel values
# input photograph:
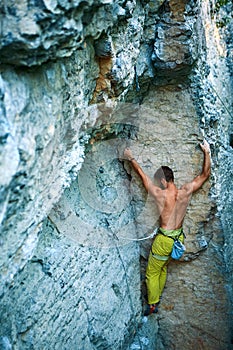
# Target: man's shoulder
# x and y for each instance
(186, 189)
(156, 191)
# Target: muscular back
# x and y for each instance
(172, 205)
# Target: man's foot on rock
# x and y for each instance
(151, 309)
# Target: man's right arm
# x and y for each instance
(200, 179)
(147, 182)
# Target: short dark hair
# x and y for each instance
(164, 172)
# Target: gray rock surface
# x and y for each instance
(175, 47)
(33, 33)
(79, 81)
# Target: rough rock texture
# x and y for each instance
(214, 102)
(69, 303)
(79, 81)
(175, 47)
(35, 32)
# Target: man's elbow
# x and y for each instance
(206, 174)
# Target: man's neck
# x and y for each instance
(171, 186)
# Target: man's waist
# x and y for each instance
(171, 233)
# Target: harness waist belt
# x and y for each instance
(174, 234)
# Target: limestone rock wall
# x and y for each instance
(34, 32)
(79, 81)
(214, 101)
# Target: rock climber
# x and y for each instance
(172, 204)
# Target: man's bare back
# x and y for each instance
(172, 205)
(172, 202)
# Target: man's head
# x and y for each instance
(164, 174)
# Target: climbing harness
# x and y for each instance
(160, 257)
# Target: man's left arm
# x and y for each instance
(206, 168)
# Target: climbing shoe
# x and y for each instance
(151, 309)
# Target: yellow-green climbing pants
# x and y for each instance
(156, 272)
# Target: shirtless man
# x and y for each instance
(172, 204)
